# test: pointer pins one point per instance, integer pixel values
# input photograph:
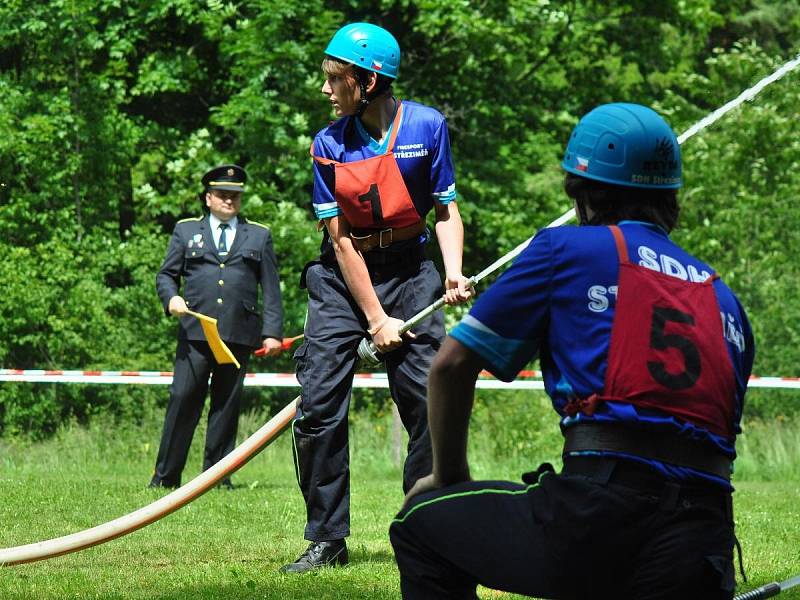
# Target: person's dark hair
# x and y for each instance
(202, 197)
(383, 84)
(335, 66)
(614, 203)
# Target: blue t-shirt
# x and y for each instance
(422, 151)
(557, 301)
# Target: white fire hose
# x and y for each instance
(161, 507)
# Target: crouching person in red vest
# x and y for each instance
(645, 354)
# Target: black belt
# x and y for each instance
(412, 253)
(646, 480)
(646, 443)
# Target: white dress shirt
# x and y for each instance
(230, 233)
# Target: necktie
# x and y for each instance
(222, 246)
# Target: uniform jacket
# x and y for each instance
(225, 288)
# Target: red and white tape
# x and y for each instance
(361, 380)
(526, 379)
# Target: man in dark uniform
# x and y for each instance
(222, 258)
(645, 354)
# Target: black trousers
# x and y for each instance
(326, 364)
(194, 364)
(570, 535)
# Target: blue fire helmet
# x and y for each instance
(625, 144)
(367, 46)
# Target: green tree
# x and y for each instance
(111, 110)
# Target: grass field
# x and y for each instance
(229, 544)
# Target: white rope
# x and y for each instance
(746, 95)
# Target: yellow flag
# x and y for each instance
(222, 353)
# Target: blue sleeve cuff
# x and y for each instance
(504, 357)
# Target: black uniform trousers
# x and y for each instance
(194, 363)
(326, 364)
(603, 528)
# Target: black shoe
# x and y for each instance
(226, 484)
(319, 555)
(160, 483)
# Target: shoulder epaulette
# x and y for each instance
(249, 222)
(200, 218)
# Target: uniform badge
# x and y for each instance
(198, 240)
(190, 244)
(230, 172)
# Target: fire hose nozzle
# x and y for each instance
(368, 353)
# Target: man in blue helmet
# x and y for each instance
(378, 171)
(645, 354)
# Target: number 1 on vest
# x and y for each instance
(374, 199)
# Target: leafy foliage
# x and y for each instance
(110, 112)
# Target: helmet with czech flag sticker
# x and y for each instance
(367, 46)
(625, 144)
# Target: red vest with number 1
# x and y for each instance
(371, 192)
(667, 350)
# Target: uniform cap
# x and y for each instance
(225, 177)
